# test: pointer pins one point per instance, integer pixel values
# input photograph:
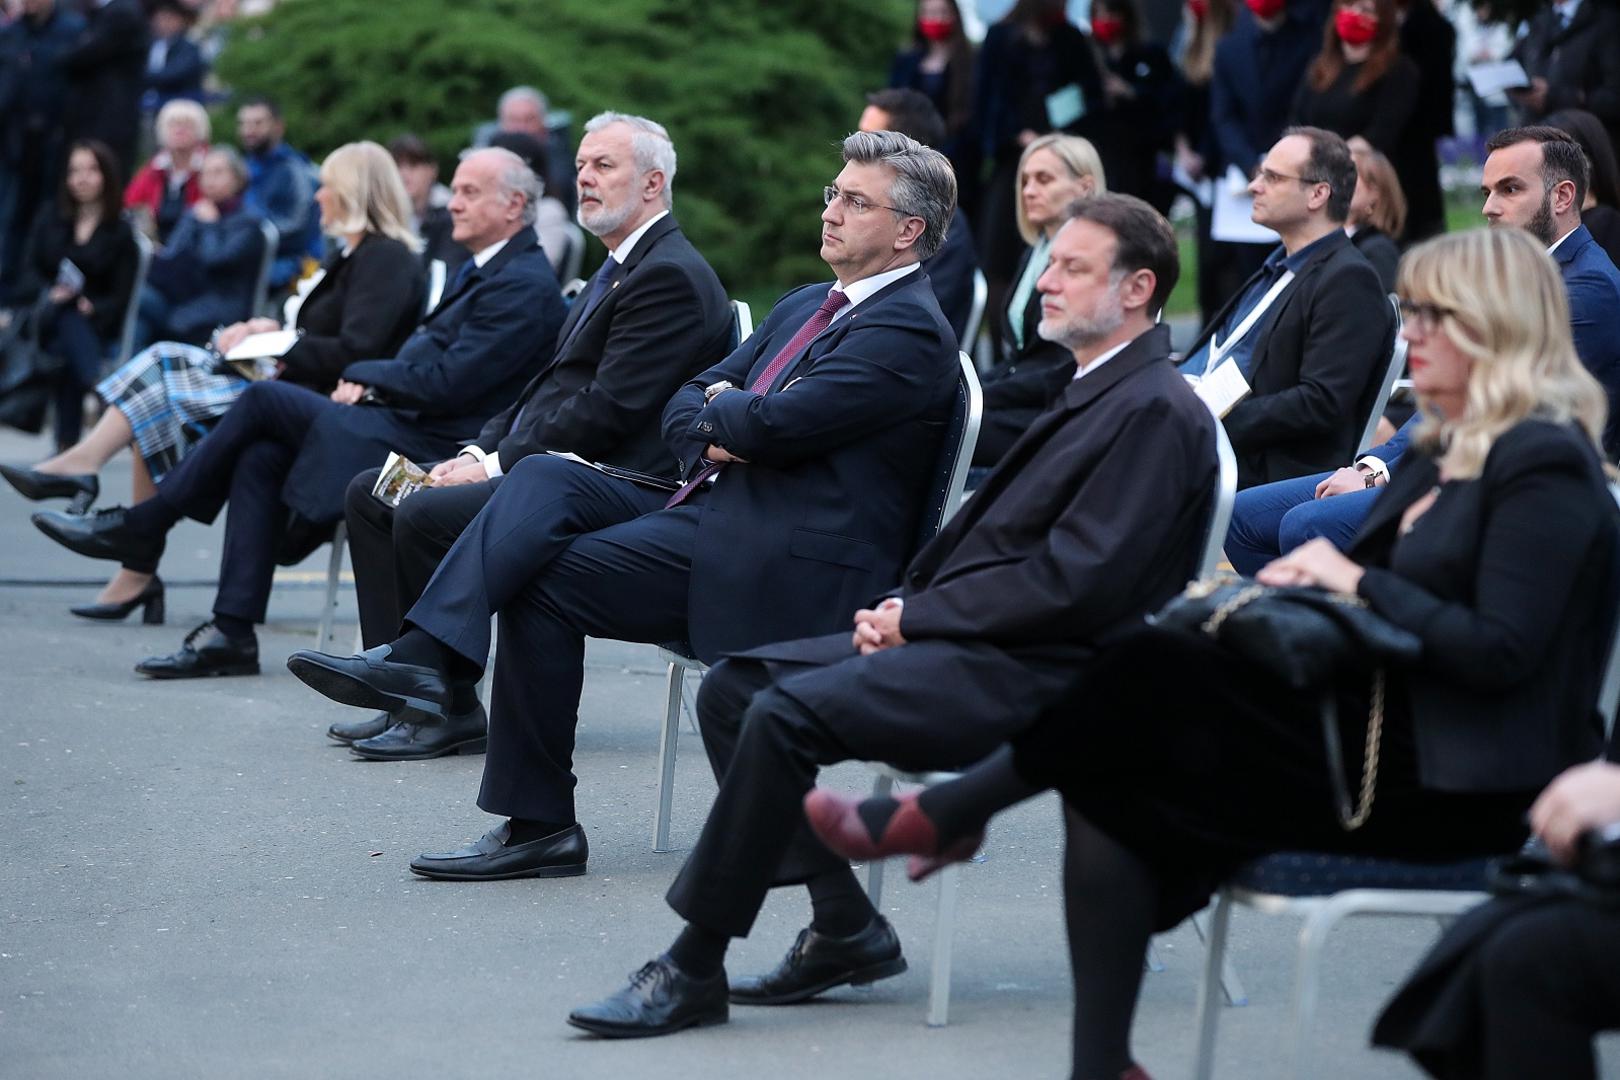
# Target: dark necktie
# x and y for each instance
(463, 272)
(818, 321)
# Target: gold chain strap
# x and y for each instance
(1369, 763)
(1212, 625)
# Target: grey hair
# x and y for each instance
(516, 176)
(234, 160)
(649, 141)
(924, 183)
(522, 93)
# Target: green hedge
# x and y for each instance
(755, 94)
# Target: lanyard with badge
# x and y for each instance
(1222, 385)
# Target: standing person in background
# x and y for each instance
(1571, 51)
(1037, 74)
(1600, 211)
(1144, 102)
(1203, 24)
(522, 111)
(174, 64)
(1377, 211)
(938, 63)
(281, 187)
(33, 86)
(107, 70)
(166, 186)
(1431, 42)
(1360, 84)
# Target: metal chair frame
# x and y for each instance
(126, 335)
(1393, 369)
(267, 261)
(975, 319)
(1324, 912)
(575, 256)
(438, 274)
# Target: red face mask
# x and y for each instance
(935, 29)
(1198, 8)
(1105, 29)
(1355, 28)
(1266, 9)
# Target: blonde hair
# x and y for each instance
(180, 110)
(1077, 155)
(370, 195)
(1388, 214)
(1506, 310)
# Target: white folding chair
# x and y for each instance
(1326, 889)
(438, 273)
(949, 480)
(575, 255)
(975, 319)
(326, 634)
(939, 983)
(143, 263)
(1393, 368)
(267, 260)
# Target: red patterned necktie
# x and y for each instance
(818, 321)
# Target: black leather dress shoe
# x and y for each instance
(205, 651)
(370, 680)
(33, 484)
(817, 963)
(349, 732)
(562, 854)
(100, 535)
(660, 999)
(418, 737)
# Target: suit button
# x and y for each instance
(916, 579)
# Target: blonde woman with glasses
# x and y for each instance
(1496, 545)
(364, 303)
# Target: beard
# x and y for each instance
(604, 220)
(1082, 330)
(1542, 226)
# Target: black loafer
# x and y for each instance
(418, 736)
(205, 652)
(562, 854)
(370, 680)
(817, 963)
(660, 999)
(350, 732)
(35, 485)
(101, 535)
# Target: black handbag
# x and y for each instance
(1310, 640)
(26, 369)
(1594, 878)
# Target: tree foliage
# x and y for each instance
(755, 95)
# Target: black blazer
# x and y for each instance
(107, 67)
(664, 319)
(467, 359)
(107, 260)
(1578, 61)
(1321, 350)
(951, 270)
(838, 459)
(1381, 251)
(1378, 114)
(366, 305)
(1514, 615)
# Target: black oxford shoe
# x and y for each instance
(349, 732)
(369, 680)
(817, 963)
(205, 652)
(491, 858)
(101, 534)
(660, 999)
(418, 736)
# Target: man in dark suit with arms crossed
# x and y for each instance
(1064, 545)
(654, 315)
(807, 452)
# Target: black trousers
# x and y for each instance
(395, 551)
(245, 460)
(561, 552)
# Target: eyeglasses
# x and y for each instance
(1425, 316)
(857, 205)
(1271, 178)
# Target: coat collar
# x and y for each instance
(1150, 346)
(1575, 242)
(522, 241)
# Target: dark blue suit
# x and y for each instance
(822, 515)
(469, 357)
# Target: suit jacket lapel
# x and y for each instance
(520, 242)
(1222, 315)
(838, 326)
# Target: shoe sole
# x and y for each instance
(860, 977)
(345, 689)
(471, 746)
(571, 870)
(608, 1031)
(234, 669)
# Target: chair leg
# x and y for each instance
(1307, 978)
(667, 740)
(326, 634)
(1236, 996)
(484, 684)
(689, 701)
(1209, 1012)
(939, 976)
(1151, 961)
(881, 787)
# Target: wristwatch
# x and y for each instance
(1371, 475)
(714, 390)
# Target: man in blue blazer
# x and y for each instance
(807, 454)
(283, 446)
(1535, 179)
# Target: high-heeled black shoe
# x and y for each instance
(150, 599)
(35, 485)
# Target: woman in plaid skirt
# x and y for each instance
(362, 305)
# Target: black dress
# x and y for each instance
(1378, 114)
(107, 261)
(1221, 764)
(1377, 248)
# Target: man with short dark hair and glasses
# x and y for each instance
(1064, 544)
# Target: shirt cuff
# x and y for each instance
(1375, 465)
(492, 465)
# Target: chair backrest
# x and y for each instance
(742, 322)
(1220, 511)
(143, 262)
(437, 274)
(981, 295)
(955, 452)
(1392, 371)
(574, 287)
(1609, 692)
(267, 260)
(576, 252)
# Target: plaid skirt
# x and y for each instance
(172, 394)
